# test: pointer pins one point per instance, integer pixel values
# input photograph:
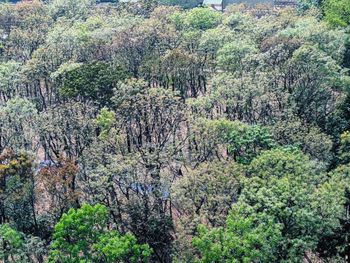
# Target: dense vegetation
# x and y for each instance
(138, 132)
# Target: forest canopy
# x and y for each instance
(167, 131)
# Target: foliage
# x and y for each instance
(105, 121)
(293, 190)
(337, 13)
(243, 141)
(58, 182)
(198, 19)
(70, 8)
(307, 137)
(11, 243)
(17, 191)
(182, 3)
(245, 238)
(169, 115)
(94, 81)
(16, 247)
(206, 193)
(234, 56)
(308, 4)
(82, 234)
(18, 117)
(344, 149)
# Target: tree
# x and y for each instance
(9, 74)
(334, 244)
(18, 117)
(94, 81)
(286, 199)
(203, 195)
(293, 131)
(59, 183)
(83, 234)
(66, 130)
(306, 5)
(70, 9)
(337, 13)
(236, 56)
(182, 3)
(206, 193)
(140, 48)
(105, 121)
(170, 116)
(11, 244)
(199, 19)
(245, 238)
(17, 196)
(344, 149)
(28, 32)
(229, 139)
(17, 247)
(150, 120)
(293, 190)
